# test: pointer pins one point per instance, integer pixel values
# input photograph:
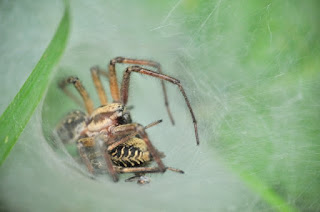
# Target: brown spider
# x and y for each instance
(106, 137)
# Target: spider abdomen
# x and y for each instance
(126, 156)
(132, 154)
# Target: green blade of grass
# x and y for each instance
(29, 96)
(265, 192)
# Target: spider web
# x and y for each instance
(252, 86)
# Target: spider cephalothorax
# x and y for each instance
(106, 116)
(106, 137)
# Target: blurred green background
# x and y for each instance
(250, 69)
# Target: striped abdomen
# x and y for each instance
(131, 154)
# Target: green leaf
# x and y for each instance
(29, 96)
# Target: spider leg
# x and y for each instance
(140, 170)
(113, 79)
(95, 73)
(125, 89)
(109, 164)
(153, 124)
(85, 158)
(134, 178)
(114, 89)
(129, 130)
(82, 91)
(63, 86)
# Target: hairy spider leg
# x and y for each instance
(150, 63)
(109, 163)
(113, 83)
(125, 89)
(84, 157)
(129, 131)
(63, 86)
(82, 91)
(95, 73)
(144, 169)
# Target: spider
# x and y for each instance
(106, 138)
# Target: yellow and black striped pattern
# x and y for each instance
(133, 153)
